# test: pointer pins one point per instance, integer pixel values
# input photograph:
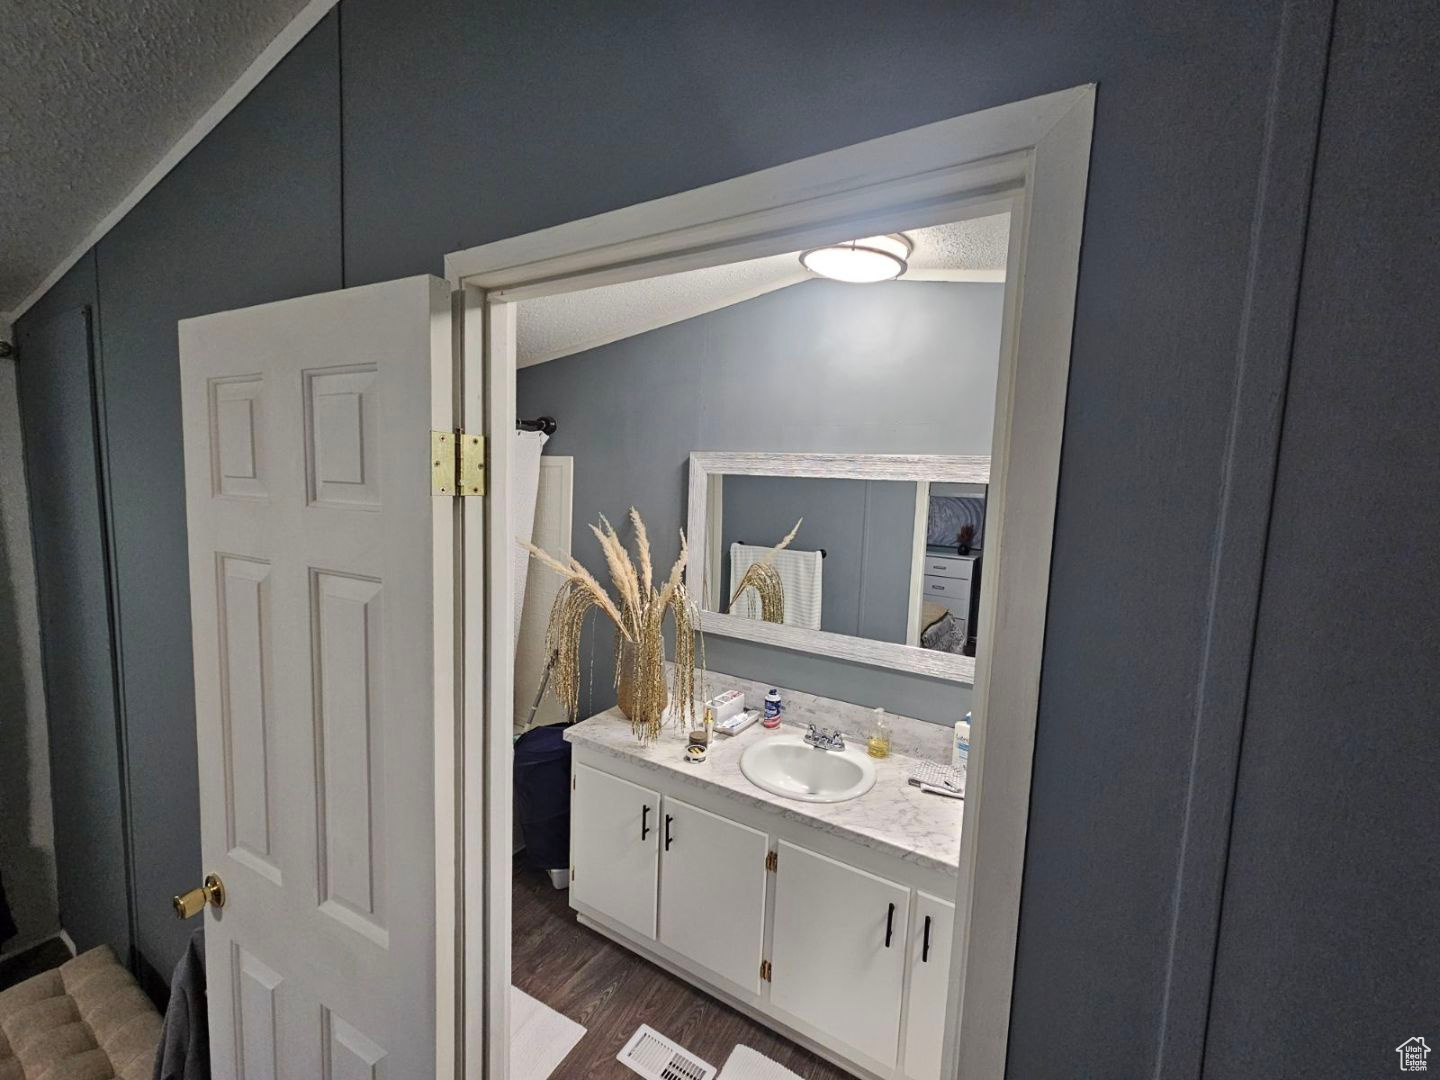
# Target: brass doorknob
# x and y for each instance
(193, 902)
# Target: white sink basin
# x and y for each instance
(786, 765)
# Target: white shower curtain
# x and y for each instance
(525, 484)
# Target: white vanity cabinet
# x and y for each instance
(712, 889)
(838, 956)
(817, 935)
(929, 984)
(615, 848)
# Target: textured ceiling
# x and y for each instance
(958, 249)
(554, 326)
(93, 93)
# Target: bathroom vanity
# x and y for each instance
(829, 921)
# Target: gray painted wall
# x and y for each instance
(821, 366)
(27, 829)
(1329, 953)
(57, 393)
(865, 527)
(251, 215)
(465, 123)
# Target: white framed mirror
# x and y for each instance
(885, 568)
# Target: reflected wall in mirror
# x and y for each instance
(884, 564)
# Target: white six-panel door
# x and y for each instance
(320, 567)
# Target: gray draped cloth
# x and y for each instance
(185, 1044)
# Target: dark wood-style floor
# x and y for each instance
(612, 992)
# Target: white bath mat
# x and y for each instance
(539, 1037)
(747, 1064)
(655, 1057)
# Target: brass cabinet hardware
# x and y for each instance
(190, 904)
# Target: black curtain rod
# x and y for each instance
(540, 423)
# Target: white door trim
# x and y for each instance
(916, 602)
(1031, 157)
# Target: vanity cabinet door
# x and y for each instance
(929, 985)
(615, 848)
(838, 951)
(712, 892)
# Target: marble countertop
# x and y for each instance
(892, 817)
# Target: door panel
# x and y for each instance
(712, 892)
(832, 966)
(615, 848)
(248, 711)
(317, 556)
(929, 986)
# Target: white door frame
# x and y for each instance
(916, 601)
(1031, 158)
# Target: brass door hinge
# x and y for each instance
(457, 463)
(772, 861)
(764, 970)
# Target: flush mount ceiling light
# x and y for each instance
(876, 258)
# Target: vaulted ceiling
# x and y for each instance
(554, 326)
(93, 94)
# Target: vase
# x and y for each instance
(628, 683)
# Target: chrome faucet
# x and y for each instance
(825, 738)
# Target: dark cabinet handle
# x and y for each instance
(668, 820)
(925, 948)
(889, 926)
(645, 821)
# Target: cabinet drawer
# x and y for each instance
(939, 588)
(948, 566)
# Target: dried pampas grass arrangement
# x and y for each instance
(764, 580)
(639, 619)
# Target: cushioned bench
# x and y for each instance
(85, 1020)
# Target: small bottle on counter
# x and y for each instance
(878, 738)
(773, 709)
(960, 756)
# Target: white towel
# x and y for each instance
(801, 574)
(747, 1064)
(524, 485)
(540, 1037)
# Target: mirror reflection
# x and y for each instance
(895, 561)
